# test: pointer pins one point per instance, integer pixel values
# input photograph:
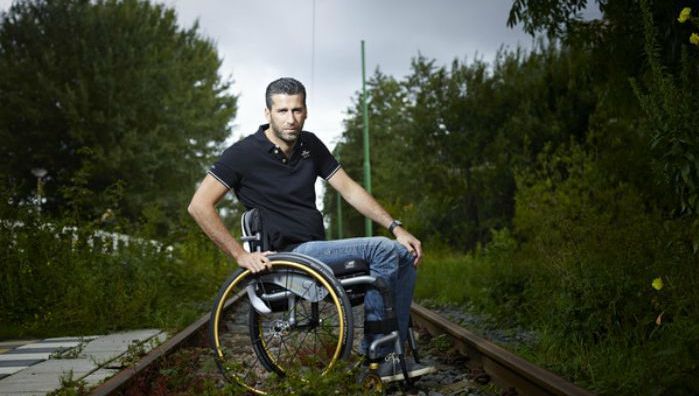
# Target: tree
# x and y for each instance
(641, 42)
(445, 140)
(553, 16)
(669, 102)
(122, 106)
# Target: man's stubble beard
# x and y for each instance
(291, 139)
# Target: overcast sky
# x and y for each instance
(262, 40)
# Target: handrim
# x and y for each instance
(245, 274)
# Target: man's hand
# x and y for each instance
(255, 261)
(411, 243)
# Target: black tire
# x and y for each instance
(250, 347)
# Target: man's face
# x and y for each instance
(286, 117)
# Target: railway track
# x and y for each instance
(481, 359)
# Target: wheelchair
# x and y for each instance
(296, 316)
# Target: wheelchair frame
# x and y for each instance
(285, 301)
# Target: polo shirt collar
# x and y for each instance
(267, 144)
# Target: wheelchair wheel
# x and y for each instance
(293, 317)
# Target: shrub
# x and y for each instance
(59, 277)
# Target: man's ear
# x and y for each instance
(268, 116)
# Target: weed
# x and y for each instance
(440, 343)
(341, 380)
(70, 353)
(70, 386)
(137, 350)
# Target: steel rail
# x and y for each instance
(185, 337)
(505, 368)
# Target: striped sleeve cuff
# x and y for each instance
(219, 180)
(333, 172)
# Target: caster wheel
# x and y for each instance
(372, 384)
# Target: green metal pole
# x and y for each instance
(339, 216)
(367, 163)
(339, 206)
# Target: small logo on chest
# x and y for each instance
(306, 153)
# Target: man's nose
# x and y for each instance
(290, 119)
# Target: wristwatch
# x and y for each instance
(393, 225)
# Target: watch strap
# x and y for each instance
(393, 225)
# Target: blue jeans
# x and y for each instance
(387, 259)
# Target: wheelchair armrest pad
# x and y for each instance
(352, 267)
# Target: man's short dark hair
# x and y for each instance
(284, 86)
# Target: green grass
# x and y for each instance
(56, 283)
(488, 279)
(583, 270)
(437, 268)
(626, 355)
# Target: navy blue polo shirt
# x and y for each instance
(282, 188)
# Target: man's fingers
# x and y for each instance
(260, 261)
(414, 248)
(266, 263)
(256, 261)
(255, 266)
(418, 257)
(416, 251)
(416, 262)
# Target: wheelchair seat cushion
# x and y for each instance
(350, 268)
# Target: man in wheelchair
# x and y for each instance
(274, 170)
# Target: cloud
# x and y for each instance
(263, 40)
(260, 41)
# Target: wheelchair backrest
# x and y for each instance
(251, 227)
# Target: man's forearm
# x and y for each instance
(367, 205)
(212, 225)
